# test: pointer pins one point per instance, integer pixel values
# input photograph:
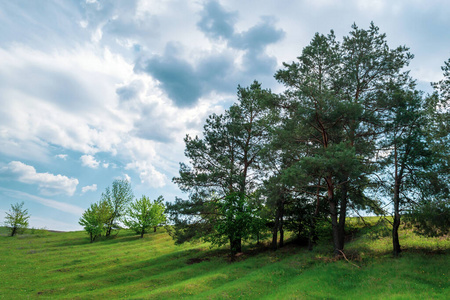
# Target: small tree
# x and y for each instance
(95, 219)
(144, 214)
(118, 197)
(17, 219)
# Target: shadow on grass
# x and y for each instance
(115, 239)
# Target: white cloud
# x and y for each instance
(84, 23)
(48, 184)
(127, 177)
(89, 161)
(91, 188)
(123, 177)
(371, 5)
(62, 156)
(65, 207)
(69, 100)
(147, 173)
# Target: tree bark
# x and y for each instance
(281, 225)
(333, 214)
(342, 216)
(312, 231)
(275, 230)
(335, 227)
(398, 176)
(396, 225)
(235, 245)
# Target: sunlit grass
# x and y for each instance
(66, 265)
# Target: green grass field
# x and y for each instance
(65, 265)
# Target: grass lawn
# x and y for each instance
(65, 265)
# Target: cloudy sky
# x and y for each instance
(92, 90)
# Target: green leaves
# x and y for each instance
(96, 218)
(224, 162)
(144, 214)
(16, 220)
(118, 198)
(102, 217)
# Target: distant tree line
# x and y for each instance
(349, 132)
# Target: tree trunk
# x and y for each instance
(154, 229)
(335, 228)
(142, 234)
(275, 230)
(281, 226)
(312, 234)
(395, 239)
(13, 232)
(108, 231)
(333, 214)
(235, 245)
(396, 225)
(342, 216)
(398, 175)
(312, 230)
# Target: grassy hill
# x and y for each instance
(65, 265)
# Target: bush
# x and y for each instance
(431, 218)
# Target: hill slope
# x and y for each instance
(66, 265)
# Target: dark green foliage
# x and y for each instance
(442, 87)
(232, 219)
(349, 131)
(236, 223)
(16, 219)
(417, 139)
(331, 116)
(431, 218)
(223, 164)
(193, 219)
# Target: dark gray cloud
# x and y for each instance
(257, 37)
(178, 78)
(216, 71)
(117, 21)
(259, 64)
(130, 91)
(254, 41)
(154, 124)
(186, 82)
(216, 22)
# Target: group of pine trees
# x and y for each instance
(350, 132)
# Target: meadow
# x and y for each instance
(44, 264)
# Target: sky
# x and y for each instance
(93, 91)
